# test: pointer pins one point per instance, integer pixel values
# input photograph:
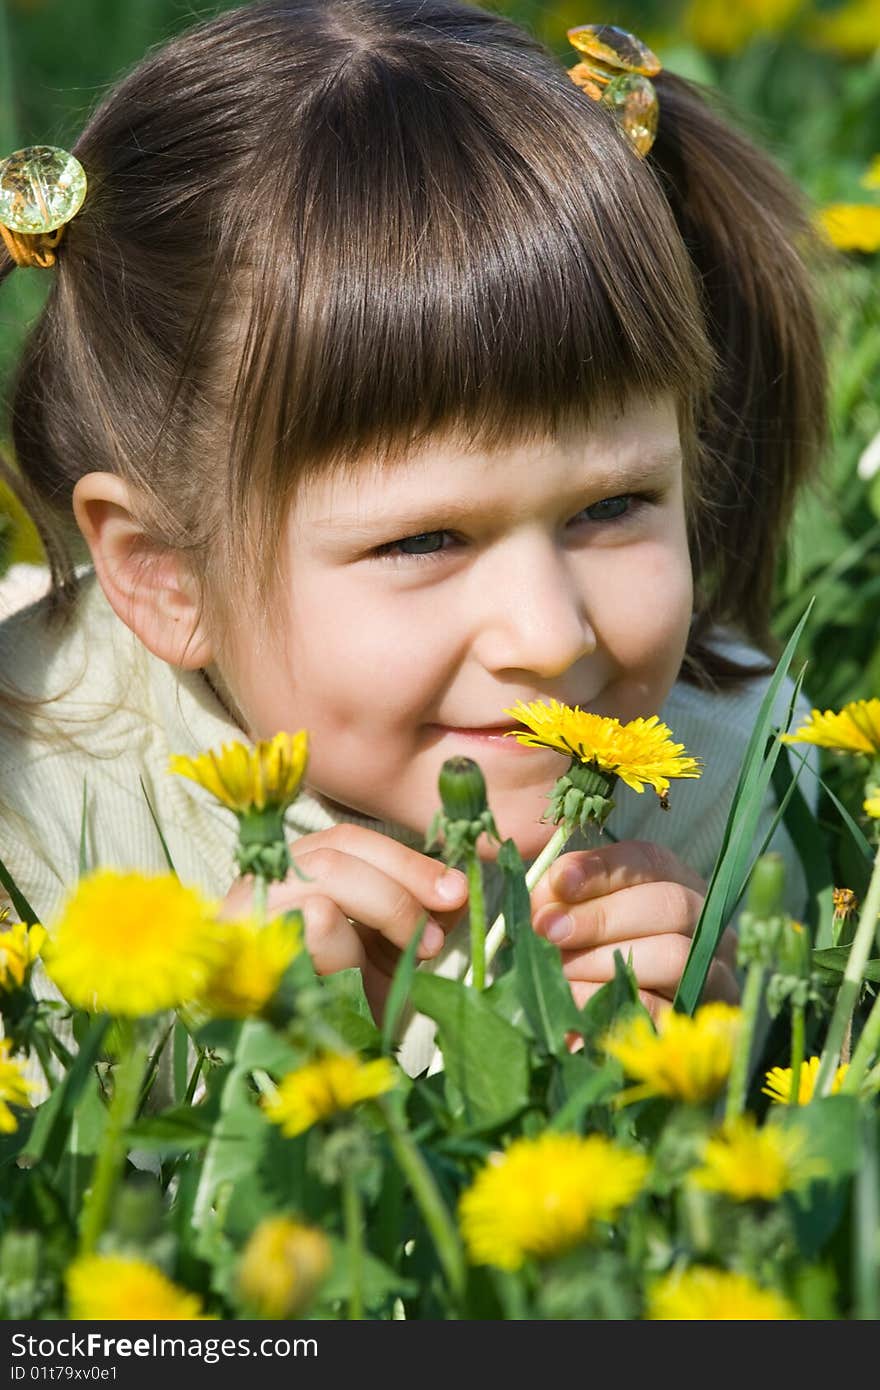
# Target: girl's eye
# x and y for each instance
(425, 546)
(429, 545)
(609, 508)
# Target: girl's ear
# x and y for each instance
(147, 586)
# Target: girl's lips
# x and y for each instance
(494, 735)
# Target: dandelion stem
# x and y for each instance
(477, 913)
(739, 1071)
(427, 1195)
(798, 1014)
(551, 851)
(847, 997)
(866, 1050)
(261, 898)
(111, 1155)
(354, 1241)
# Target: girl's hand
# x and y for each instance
(631, 897)
(366, 897)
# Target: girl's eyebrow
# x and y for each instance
(641, 473)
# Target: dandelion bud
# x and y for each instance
(765, 886)
(462, 789)
(282, 1266)
(465, 814)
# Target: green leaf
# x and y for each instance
(486, 1059)
(831, 1128)
(51, 1130)
(832, 961)
(598, 1085)
(186, 1128)
(346, 1009)
(379, 1280)
(733, 865)
(398, 994)
(619, 996)
(543, 990)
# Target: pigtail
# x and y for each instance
(749, 235)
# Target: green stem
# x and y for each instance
(427, 1195)
(551, 851)
(261, 899)
(739, 1071)
(354, 1241)
(865, 1051)
(847, 995)
(477, 912)
(866, 1224)
(216, 1152)
(798, 1015)
(111, 1155)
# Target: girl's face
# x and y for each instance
(419, 602)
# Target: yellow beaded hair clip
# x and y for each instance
(41, 189)
(616, 69)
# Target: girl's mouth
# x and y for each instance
(494, 735)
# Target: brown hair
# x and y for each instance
(319, 229)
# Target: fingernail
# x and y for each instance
(557, 926)
(432, 938)
(569, 882)
(451, 886)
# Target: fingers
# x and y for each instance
(643, 910)
(370, 882)
(331, 939)
(584, 875)
(657, 961)
(441, 890)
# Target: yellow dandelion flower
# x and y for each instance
(856, 729)
(542, 1196)
(752, 1164)
(15, 1089)
(251, 961)
(852, 30)
(871, 177)
(130, 944)
(778, 1082)
(640, 752)
(703, 1294)
(852, 226)
(684, 1058)
(844, 901)
(871, 806)
(266, 775)
(321, 1089)
(719, 27)
(282, 1266)
(113, 1288)
(19, 947)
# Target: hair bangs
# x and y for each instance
(449, 253)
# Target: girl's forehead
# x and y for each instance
(615, 447)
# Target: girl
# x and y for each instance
(389, 384)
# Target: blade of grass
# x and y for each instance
(730, 874)
(400, 987)
(19, 901)
(155, 819)
(83, 833)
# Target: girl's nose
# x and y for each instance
(530, 612)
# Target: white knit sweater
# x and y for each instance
(117, 713)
